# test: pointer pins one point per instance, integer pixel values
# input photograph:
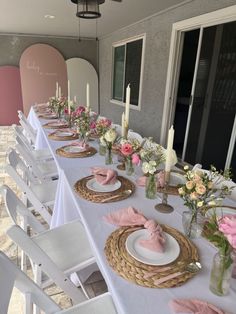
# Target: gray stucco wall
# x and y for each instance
(158, 33)
(12, 46)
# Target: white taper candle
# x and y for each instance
(123, 124)
(127, 104)
(87, 96)
(169, 148)
(68, 90)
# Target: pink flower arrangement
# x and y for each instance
(102, 125)
(227, 225)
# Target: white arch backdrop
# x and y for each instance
(80, 72)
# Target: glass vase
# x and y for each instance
(151, 187)
(108, 156)
(192, 223)
(102, 149)
(221, 273)
(129, 167)
(83, 138)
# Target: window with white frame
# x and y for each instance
(127, 69)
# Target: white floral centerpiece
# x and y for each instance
(152, 155)
(108, 139)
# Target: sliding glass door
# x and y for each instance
(208, 126)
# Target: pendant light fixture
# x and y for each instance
(88, 9)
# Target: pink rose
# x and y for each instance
(135, 159)
(79, 110)
(126, 149)
(227, 225)
(92, 125)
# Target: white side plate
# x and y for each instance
(220, 211)
(147, 256)
(74, 149)
(96, 187)
(64, 133)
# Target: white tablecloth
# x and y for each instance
(128, 297)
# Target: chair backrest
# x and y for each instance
(44, 262)
(12, 276)
(12, 169)
(21, 138)
(135, 136)
(18, 165)
(24, 119)
(29, 160)
(15, 208)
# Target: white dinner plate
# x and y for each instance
(176, 179)
(147, 256)
(64, 133)
(220, 211)
(74, 149)
(96, 187)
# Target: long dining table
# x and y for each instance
(129, 298)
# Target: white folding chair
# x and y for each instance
(11, 276)
(135, 136)
(40, 195)
(54, 243)
(39, 154)
(29, 130)
(18, 213)
(43, 170)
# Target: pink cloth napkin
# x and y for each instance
(131, 217)
(194, 306)
(160, 180)
(156, 240)
(126, 217)
(104, 175)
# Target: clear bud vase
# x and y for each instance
(221, 273)
(102, 149)
(192, 222)
(108, 156)
(151, 187)
(129, 167)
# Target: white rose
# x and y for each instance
(102, 141)
(110, 135)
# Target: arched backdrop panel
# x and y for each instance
(80, 72)
(10, 95)
(41, 66)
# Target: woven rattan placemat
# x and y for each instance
(146, 275)
(55, 137)
(127, 188)
(90, 151)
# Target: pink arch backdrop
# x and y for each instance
(10, 95)
(41, 66)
